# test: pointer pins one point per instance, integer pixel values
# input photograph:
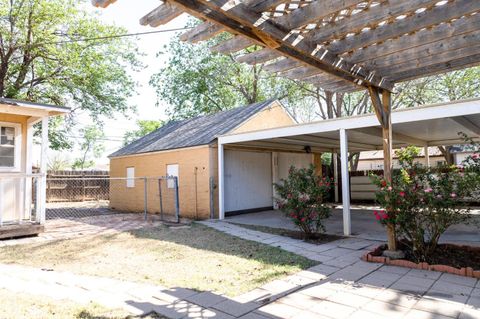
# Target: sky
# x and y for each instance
(127, 13)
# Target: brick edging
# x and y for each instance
(375, 257)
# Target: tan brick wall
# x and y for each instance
(270, 117)
(155, 164)
(203, 157)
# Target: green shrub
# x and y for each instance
(302, 196)
(422, 203)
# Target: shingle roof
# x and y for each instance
(200, 130)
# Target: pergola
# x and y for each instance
(339, 45)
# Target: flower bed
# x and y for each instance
(453, 259)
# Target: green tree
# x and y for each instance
(196, 81)
(92, 147)
(44, 57)
(144, 127)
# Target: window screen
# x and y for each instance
(7, 146)
(130, 176)
(172, 170)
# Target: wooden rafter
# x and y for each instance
(161, 15)
(239, 19)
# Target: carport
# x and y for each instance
(423, 126)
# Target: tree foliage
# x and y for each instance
(44, 58)
(92, 147)
(196, 81)
(144, 127)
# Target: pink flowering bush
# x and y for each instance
(303, 196)
(422, 203)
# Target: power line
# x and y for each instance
(106, 37)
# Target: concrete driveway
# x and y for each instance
(364, 225)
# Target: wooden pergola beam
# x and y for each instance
(418, 21)
(161, 15)
(232, 45)
(371, 17)
(240, 20)
(202, 32)
(102, 3)
(444, 31)
(282, 65)
(259, 56)
(426, 50)
(313, 12)
(441, 57)
(437, 68)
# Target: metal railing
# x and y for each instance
(71, 197)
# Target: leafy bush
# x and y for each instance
(302, 196)
(422, 203)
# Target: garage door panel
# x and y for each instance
(248, 180)
(286, 160)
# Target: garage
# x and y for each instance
(249, 178)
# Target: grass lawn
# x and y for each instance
(197, 257)
(15, 305)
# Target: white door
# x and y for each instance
(285, 160)
(11, 202)
(248, 180)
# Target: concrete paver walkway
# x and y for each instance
(342, 286)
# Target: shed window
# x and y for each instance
(172, 170)
(7, 146)
(130, 176)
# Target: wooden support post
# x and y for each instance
(382, 106)
(347, 223)
(317, 161)
(427, 156)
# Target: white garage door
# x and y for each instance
(285, 160)
(248, 180)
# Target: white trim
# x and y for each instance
(18, 148)
(221, 193)
(347, 224)
(430, 112)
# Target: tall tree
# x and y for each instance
(46, 56)
(92, 147)
(196, 81)
(144, 127)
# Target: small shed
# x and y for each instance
(22, 193)
(188, 149)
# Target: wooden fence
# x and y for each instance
(77, 186)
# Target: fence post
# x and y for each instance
(177, 204)
(161, 200)
(145, 198)
(212, 194)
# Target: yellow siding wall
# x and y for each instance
(21, 119)
(203, 157)
(270, 117)
(155, 164)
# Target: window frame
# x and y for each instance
(17, 145)
(130, 180)
(170, 183)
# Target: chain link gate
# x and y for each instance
(77, 197)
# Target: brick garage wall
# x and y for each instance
(155, 164)
(270, 117)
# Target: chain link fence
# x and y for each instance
(76, 197)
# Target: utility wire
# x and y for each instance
(106, 37)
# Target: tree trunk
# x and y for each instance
(445, 150)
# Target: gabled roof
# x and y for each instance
(199, 130)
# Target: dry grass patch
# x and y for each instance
(197, 257)
(15, 305)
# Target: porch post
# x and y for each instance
(28, 169)
(42, 191)
(275, 178)
(221, 204)
(347, 227)
(335, 175)
(427, 156)
(383, 106)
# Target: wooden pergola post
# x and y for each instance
(383, 106)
